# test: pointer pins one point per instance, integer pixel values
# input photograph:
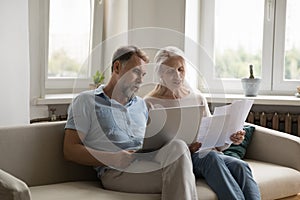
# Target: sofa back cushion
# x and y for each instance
(34, 154)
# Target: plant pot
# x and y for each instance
(251, 86)
(93, 86)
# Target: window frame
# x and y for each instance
(279, 51)
(272, 80)
(68, 85)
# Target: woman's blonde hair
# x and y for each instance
(161, 57)
(164, 54)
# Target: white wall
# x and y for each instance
(154, 24)
(157, 13)
(166, 19)
(14, 62)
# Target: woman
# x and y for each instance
(229, 177)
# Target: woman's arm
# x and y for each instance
(236, 138)
(202, 101)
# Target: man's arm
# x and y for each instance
(75, 151)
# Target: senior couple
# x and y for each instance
(106, 126)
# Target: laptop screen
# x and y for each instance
(166, 124)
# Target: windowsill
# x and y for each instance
(55, 99)
(280, 100)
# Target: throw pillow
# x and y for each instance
(239, 151)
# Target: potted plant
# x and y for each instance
(98, 79)
(251, 84)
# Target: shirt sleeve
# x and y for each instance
(203, 101)
(79, 114)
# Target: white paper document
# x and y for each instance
(216, 130)
(210, 132)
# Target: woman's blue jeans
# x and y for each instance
(230, 178)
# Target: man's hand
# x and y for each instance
(194, 147)
(238, 137)
(121, 159)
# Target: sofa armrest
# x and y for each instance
(274, 147)
(12, 188)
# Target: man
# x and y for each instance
(107, 125)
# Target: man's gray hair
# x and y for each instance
(124, 53)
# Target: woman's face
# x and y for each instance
(173, 72)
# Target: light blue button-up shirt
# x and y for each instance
(106, 124)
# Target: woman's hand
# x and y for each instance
(194, 147)
(238, 137)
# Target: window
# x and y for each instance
(238, 40)
(292, 41)
(70, 30)
(69, 38)
(287, 45)
(265, 34)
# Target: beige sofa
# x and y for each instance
(32, 167)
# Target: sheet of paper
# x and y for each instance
(241, 108)
(239, 111)
(210, 131)
(216, 130)
(224, 136)
(226, 129)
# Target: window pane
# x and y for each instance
(292, 41)
(69, 35)
(238, 37)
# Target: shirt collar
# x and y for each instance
(99, 90)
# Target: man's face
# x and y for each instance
(131, 75)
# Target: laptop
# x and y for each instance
(166, 124)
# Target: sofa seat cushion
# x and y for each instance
(275, 181)
(204, 191)
(91, 190)
(83, 190)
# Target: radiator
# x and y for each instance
(285, 122)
